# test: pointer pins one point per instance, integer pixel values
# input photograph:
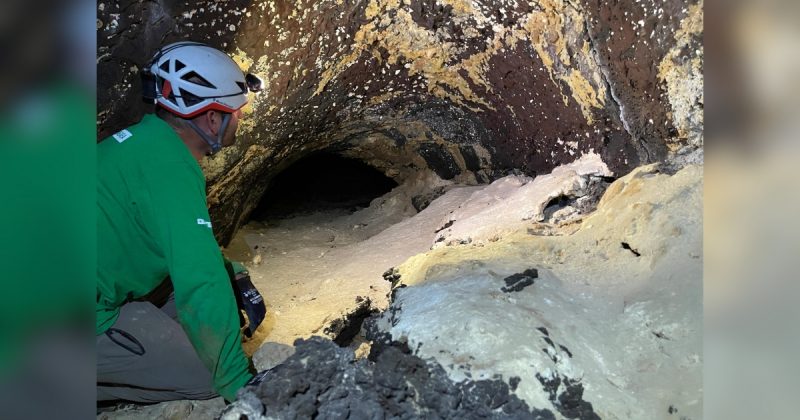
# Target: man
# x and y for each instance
(153, 223)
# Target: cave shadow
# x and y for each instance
(322, 181)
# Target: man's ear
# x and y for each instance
(213, 121)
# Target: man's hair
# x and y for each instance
(172, 119)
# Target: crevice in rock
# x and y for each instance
(445, 226)
(346, 328)
(618, 105)
(569, 207)
(555, 204)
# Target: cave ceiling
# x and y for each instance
(467, 89)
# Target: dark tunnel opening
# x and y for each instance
(322, 181)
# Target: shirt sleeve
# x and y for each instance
(234, 267)
(207, 311)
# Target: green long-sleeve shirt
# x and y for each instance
(153, 221)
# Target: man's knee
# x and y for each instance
(147, 357)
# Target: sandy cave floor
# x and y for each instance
(317, 267)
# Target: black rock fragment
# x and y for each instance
(572, 405)
(519, 281)
(550, 385)
(565, 349)
(391, 275)
(570, 402)
(446, 225)
(627, 246)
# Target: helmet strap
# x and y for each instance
(215, 144)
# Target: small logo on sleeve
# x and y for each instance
(122, 136)
(204, 222)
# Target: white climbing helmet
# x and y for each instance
(192, 78)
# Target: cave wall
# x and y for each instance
(468, 89)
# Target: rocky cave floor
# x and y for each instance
(571, 295)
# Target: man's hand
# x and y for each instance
(250, 301)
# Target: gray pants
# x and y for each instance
(146, 357)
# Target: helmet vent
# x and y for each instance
(164, 66)
(171, 97)
(179, 65)
(188, 98)
(195, 78)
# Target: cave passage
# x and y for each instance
(322, 181)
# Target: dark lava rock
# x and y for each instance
(439, 159)
(572, 405)
(519, 281)
(569, 402)
(392, 275)
(323, 380)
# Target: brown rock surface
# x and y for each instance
(466, 89)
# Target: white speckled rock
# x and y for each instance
(514, 201)
(625, 322)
